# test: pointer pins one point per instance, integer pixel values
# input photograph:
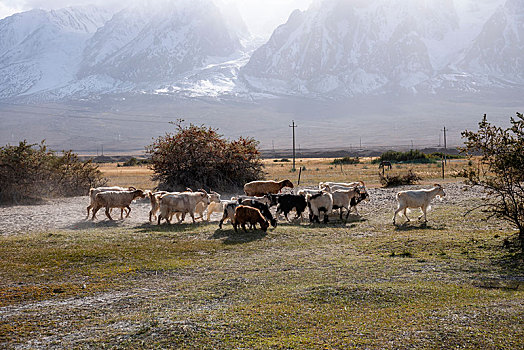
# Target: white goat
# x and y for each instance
(417, 199)
(262, 199)
(305, 191)
(184, 203)
(348, 199)
(94, 191)
(154, 198)
(214, 207)
(214, 197)
(115, 199)
(317, 203)
(336, 186)
(322, 185)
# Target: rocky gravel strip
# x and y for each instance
(70, 213)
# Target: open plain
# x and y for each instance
(457, 282)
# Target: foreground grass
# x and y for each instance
(362, 284)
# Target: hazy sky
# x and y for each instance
(261, 16)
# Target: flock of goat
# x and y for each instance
(254, 207)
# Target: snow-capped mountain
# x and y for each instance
(353, 47)
(498, 51)
(78, 52)
(335, 49)
(142, 45)
(42, 50)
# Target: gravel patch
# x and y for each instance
(70, 213)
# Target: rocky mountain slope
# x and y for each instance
(80, 52)
(350, 47)
(198, 48)
(42, 50)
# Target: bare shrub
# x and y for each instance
(197, 156)
(31, 172)
(500, 171)
(398, 180)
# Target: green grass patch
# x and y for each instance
(411, 156)
(451, 283)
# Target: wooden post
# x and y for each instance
(443, 166)
(299, 174)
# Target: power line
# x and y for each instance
(445, 145)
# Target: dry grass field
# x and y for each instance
(314, 171)
(138, 176)
(457, 282)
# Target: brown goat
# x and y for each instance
(245, 214)
(260, 188)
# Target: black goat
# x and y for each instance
(287, 202)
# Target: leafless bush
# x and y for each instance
(500, 171)
(398, 180)
(31, 172)
(197, 156)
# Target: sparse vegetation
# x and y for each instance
(135, 162)
(346, 160)
(440, 155)
(197, 156)
(411, 156)
(31, 172)
(501, 171)
(398, 180)
(361, 284)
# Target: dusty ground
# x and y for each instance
(70, 213)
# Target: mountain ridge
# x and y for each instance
(334, 50)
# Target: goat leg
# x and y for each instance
(108, 215)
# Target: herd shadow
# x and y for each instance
(232, 237)
(148, 227)
(415, 225)
(87, 224)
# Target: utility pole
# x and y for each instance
(273, 143)
(293, 126)
(445, 145)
